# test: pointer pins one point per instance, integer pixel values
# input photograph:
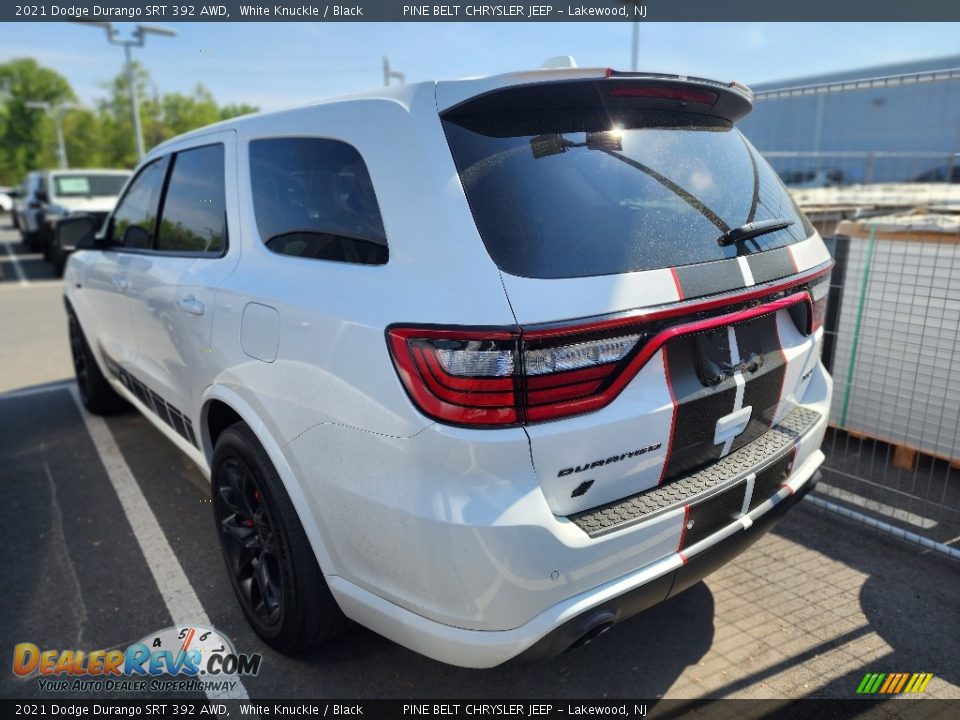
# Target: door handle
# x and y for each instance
(191, 305)
(121, 283)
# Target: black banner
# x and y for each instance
(918, 709)
(516, 11)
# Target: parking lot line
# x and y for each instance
(21, 277)
(178, 595)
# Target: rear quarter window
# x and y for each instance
(313, 198)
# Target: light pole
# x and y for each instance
(56, 112)
(138, 40)
(635, 48)
(389, 74)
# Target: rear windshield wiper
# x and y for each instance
(752, 230)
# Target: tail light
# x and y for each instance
(819, 294)
(510, 376)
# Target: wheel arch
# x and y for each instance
(221, 407)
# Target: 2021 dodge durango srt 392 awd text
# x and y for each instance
(487, 366)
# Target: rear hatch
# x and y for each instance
(647, 251)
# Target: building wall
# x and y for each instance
(921, 118)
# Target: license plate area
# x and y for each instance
(713, 513)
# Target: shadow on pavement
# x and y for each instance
(641, 657)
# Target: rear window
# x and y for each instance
(576, 193)
(91, 185)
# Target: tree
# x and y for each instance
(102, 137)
(23, 130)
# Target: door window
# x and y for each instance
(136, 213)
(193, 219)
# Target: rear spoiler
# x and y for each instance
(608, 89)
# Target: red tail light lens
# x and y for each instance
(819, 295)
(704, 97)
(464, 377)
(511, 376)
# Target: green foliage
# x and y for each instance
(102, 137)
(23, 129)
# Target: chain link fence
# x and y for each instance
(875, 163)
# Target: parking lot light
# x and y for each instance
(56, 112)
(138, 40)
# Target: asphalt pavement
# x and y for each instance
(805, 612)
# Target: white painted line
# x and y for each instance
(21, 278)
(748, 496)
(178, 595)
(737, 379)
(747, 272)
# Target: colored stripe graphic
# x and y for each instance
(893, 683)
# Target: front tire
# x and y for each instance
(95, 392)
(271, 565)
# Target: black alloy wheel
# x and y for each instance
(78, 352)
(253, 549)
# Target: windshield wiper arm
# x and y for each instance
(752, 230)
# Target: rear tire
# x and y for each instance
(272, 567)
(95, 391)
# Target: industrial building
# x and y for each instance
(886, 123)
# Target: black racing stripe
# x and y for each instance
(758, 339)
(714, 513)
(769, 481)
(710, 278)
(771, 265)
(699, 405)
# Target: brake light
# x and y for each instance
(464, 377)
(513, 376)
(668, 93)
(819, 295)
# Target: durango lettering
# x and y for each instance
(609, 461)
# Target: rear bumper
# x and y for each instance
(715, 554)
(558, 627)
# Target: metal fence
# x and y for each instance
(874, 162)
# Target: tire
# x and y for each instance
(271, 565)
(59, 260)
(95, 392)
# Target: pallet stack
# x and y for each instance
(896, 349)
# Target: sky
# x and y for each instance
(275, 65)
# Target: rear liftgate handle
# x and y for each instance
(729, 426)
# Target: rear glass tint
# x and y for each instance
(576, 193)
(313, 199)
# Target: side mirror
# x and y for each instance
(136, 237)
(76, 232)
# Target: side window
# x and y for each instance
(313, 198)
(193, 217)
(136, 213)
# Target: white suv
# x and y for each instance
(486, 366)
